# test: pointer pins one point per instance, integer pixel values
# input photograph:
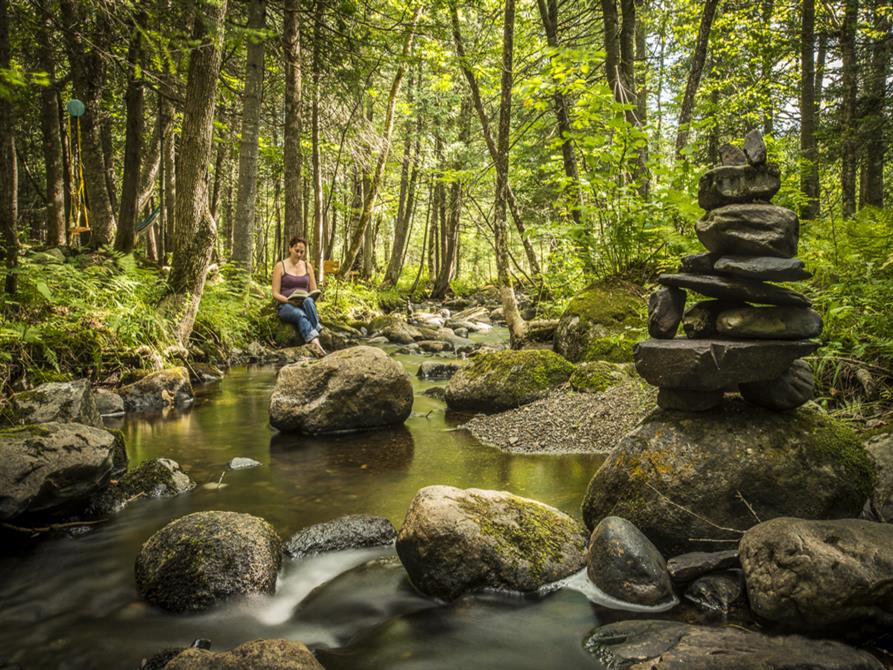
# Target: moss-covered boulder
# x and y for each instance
(684, 477)
(597, 376)
(501, 380)
(205, 557)
(165, 388)
(57, 401)
(455, 541)
(601, 323)
(155, 478)
(266, 654)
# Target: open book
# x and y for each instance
(297, 297)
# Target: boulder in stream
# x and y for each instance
(254, 655)
(360, 388)
(353, 531)
(455, 541)
(65, 402)
(155, 478)
(166, 388)
(202, 558)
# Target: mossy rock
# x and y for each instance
(602, 323)
(266, 654)
(685, 477)
(501, 380)
(598, 376)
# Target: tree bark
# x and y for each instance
(319, 253)
(488, 139)
(293, 155)
(809, 151)
(694, 76)
(196, 230)
(129, 212)
(8, 170)
(246, 200)
(848, 130)
(369, 201)
(516, 325)
(52, 137)
(874, 138)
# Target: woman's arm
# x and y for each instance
(312, 277)
(277, 284)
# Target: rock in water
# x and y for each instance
(437, 370)
(155, 478)
(203, 558)
(755, 147)
(750, 229)
(792, 389)
(716, 593)
(741, 290)
(665, 309)
(254, 655)
(108, 403)
(50, 468)
(65, 402)
(729, 185)
(165, 388)
(242, 463)
(729, 154)
(359, 388)
(454, 541)
(713, 365)
(699, 321)
(769, 323)
(624, 563)
(802, 463)
(353, 531)
(667, 645)
(766, 268)
(819, 574)
(686, 567)
(505, 379)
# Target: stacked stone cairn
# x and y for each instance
(751, 335)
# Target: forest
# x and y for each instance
(422, 150)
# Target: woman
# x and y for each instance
(294, 273)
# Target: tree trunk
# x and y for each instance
(516, 325)
(246, 200)
(52, 137)
(8, 170)
(488, 138)
(695, 70)
(129, 213)
(319, 253)
(293, 156)
(848, 128)
(874, 138)
(369, 202)
(196, 230)
(809, 151)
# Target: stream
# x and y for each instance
(71, 602)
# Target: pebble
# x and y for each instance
(241, 463)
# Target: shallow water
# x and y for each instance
(71, 602)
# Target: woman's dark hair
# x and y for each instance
(293, 241)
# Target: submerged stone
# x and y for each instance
(437, 370)
(354, 531)
(766, 268)
(750, 229)
(728, 185)
(732, 289)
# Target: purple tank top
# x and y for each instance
(290, 283)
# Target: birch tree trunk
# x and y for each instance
(849, 84)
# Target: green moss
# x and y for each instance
(596, 376)
(524, 373)
(837, 444)
(604, 303)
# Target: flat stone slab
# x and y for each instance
(769, 268)
(750, 229)
(711, 365)
(741, 290)
(699, 264)
(769, 323)
(731, 184)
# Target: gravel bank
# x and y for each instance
(568, 422)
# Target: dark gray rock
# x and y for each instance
(108, 403)
(699, 264)
(155, 391)
(254, 655)
(732, 184)
(699, 321)
(729, 154)
(766, 268)
(57, 401)
(792, 389)
(436, 392)
(203, 558)
(667, 645)
(733, 289)
(51, 468)
(713, 365)
(801, 463)
(624, 563)
(716, 593)
(665, 308)
(770, 323)
(750, 229)
(686, 567)
(880, 505)
(353, 531)
(819, 574)
(437, 370)
(155, 478)
(755, 147)
(686, 400)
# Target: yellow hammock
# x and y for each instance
(77, 213)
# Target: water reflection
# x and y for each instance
(377, 451)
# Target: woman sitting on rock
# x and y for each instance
(292, 274)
